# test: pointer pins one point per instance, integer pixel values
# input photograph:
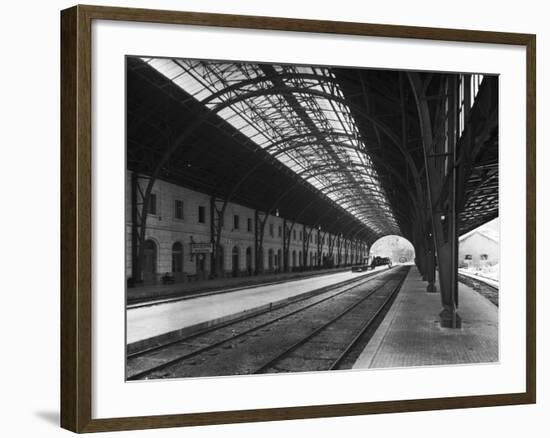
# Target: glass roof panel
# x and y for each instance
(302, 111)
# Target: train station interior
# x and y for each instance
(252, 188)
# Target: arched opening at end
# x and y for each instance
(398, 249)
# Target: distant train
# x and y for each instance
(380, 261)
(375, 262)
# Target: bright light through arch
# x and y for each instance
(399, 249)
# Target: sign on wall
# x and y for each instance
(200, 248)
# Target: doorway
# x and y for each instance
(149, 262)
(235, 261)
(200, 266)
(249, 260)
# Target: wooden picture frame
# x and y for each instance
(76, 217)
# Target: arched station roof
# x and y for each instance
(335, 148)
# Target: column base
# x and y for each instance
(431, 288)
(450, 319)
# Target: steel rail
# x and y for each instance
(137, 376)
(318, 330)
(368, 324)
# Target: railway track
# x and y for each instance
(131, 354)
(327, 347)
(280, 340)
(482, 287)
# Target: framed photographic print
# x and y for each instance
(268, 218)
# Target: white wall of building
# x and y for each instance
(165, 229)
(476, 249)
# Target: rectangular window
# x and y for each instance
(271, 230)
(280, 231)
(152, 203)
(178, 209)
(249, 225)
(294, 234)
(236, 222)
(202, 214)
(301, 236)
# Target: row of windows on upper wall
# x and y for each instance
(312, 238)
(178, 214)
(237, 223)
(178, 209)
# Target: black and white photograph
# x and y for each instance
(275, 219)
(289, 218)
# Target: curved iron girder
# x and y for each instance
(360, 209)
(284, 194)
(266, 78)
(245, 96)
(325, 198)
(238, 184)
(343, 145)
(329, 166)
(350, 147)
(269, 78)
(208, 112)
(446, 261)
(361, 170)
(302, 135)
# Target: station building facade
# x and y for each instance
(477, 249)
(178, 239)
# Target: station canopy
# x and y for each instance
(283, 135)
(314, 136)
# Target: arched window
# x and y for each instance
(293, 259)
(177, 257)
(270, 259)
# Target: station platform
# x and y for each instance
(410, 333)
(141, 294)
(150, 325)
